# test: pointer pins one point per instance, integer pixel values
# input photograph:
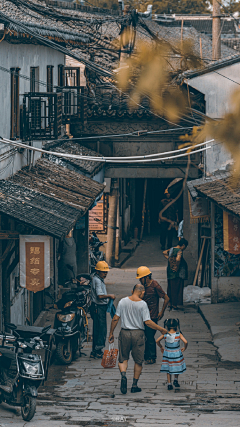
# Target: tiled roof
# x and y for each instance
(42, 25)
(48, 197)
(219, 189)
(89, 168)
(172, 34)
(80, 39)
(216, 65)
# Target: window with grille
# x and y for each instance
(50, 78)
(72, 76)
(15, 109)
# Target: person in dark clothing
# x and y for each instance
(167, 227)
(176, 273)
(153, 292)
(100, 300)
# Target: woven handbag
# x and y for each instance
(110, 357)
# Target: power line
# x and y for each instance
(110, 159)
(136, 133)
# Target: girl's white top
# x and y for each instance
(170, 338)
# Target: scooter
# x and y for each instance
(21, 371)
(95, 254)
(71, 323)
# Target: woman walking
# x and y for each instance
(176, 273)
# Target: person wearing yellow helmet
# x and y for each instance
(100, 299)
(153, 292)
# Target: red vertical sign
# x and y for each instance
(231, 233)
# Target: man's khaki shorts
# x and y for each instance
(131, 340)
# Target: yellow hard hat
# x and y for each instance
(143, 272)
(102, 266)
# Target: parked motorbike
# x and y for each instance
(95, 254)
(71, 323)
(21, 371)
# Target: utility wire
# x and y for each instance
(109, 159)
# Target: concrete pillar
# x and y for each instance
(112, 221)
(190, 232)
(216, 30)
(117, 246)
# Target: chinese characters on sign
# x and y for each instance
(231, 234)
(35, 262)
(97, 220)
(34, 266)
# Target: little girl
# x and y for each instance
(173, 361)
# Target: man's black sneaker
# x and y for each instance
(170, 387)
(176, 384)
(95, 355)
(123, 386)
(135, 389)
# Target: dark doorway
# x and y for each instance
(38, 304)
(155, 193)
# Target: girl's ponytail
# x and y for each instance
(179, 326)
(165, 323)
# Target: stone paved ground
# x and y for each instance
(85, 394)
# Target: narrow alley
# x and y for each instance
(85, 394)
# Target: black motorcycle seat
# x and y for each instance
(27, 332)
(84, 276)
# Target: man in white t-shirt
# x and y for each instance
(134, 314)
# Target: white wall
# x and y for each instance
(22, 56)
(218, 87)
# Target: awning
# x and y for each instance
(48, 197)
(218, 188)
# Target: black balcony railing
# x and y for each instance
(41, 115)
(74, 106)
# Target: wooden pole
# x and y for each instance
(117, 246)
(201, 48)
(199, 262)
(112, 222)
(144, 208)
(216, 30)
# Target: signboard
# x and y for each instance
(97, 216)
(231, 234)
(199, 211)
(34, 262)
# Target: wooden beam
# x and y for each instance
(7, 235)
(199, 262)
